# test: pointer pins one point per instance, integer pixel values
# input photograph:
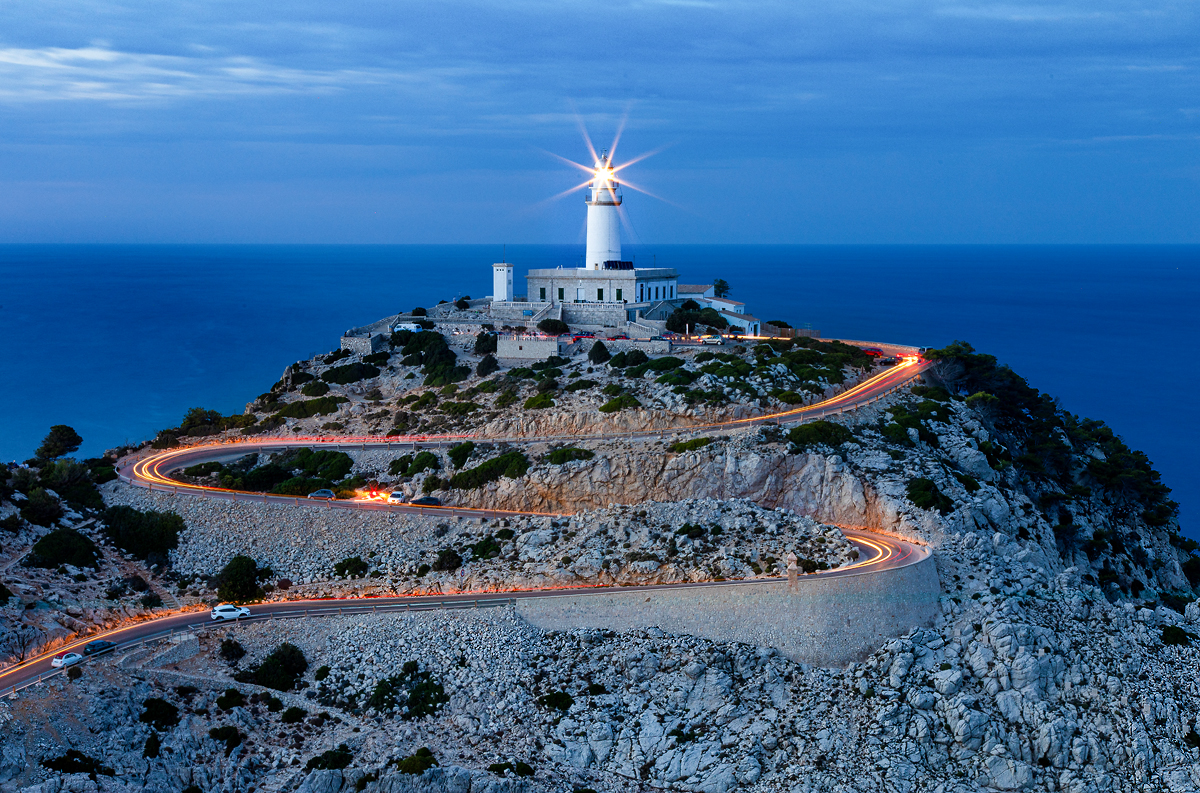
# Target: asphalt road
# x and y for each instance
(876, 552)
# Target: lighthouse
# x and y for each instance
(603, 217)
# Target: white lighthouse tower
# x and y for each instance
(603, 218)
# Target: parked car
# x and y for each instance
(887, 361)
(396, 497)
(65, 659)
(712, 338)
(228, 611)
(405, 326)
(426, 501)
(874, 352)
(324, 492)
(99, 647)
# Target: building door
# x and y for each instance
(579, 298)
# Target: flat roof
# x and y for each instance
(580, 272)
(693, 289)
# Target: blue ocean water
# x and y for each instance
(119, 341)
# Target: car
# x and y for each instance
(426, 501)
(712, 338)
(228, 611)
(99, 647)
(399, 326)
(65, 659)
(658, 338)
(874, 352)
(324, 492)
(396, 497)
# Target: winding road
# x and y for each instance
(877, 552)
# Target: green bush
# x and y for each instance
(423, 461)
(333, 759)
(377, 358)
(665, 364)
(153, 744)
(546, 385)
(459, 408)
(61, 440)
(689, 446)
(351, 567)
(487, 366)
(485, 343)
(76, 762)
(316, 388)
(227, 735)
(141, 534)
(459, 454)
(512, 464)
(12, 523)
(556, 700)
(579, 385)
(553, 327)
(280, 670)
(1174, 636)
(350, 373)
(159, 714)
(399, 466)
(620, 403)
(789, 397)
(63, 546)
(300, 486)
(307, 408)
(41, 508)
(414, 692)
(293, 715)
(417, 763)
(238, 580)
(448, 560)
(487, 548)
(232, 698)
(539, 401)
(599, 353)
(819, 433)
(924, 493)
(560, 456)
(72, 481)
(151, 600)
(231, 650)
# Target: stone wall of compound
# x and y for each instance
(658, 347)
(609, 315)
(525, 347)
(827, 621)
(365, 345)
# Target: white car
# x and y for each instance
(65, 659)
(228, 611)
(396, 497)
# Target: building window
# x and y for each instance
(656, 293)
(543, 293)
(600, 294)
(672, 291)
(560, 293)
(618, 295)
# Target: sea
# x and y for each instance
(118, 341)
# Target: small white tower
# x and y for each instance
(502, 282)
(603, 218)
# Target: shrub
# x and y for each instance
(599, 353)
(560, 456)
(689, 446)
(280, 670)
(556, 700)
(546, 385)
(459, 454)
(60, 441)
(512, 465)
(448, 560)
(140, 534)
(924, 493)
(232, 698)
(159, 714)
(399, 466)
(485, 343)
(71, 481)
(579, 385)
(819, 433)
(596, 689)
(620, 403)
(1174, 636)
(41, 508)
(152, 746)
(316, 388)
(238, 580)
(539, 401)
(459, 408)
(63, 546)
(424, 461)
(307, 408)
(488, 365)
(553, 327)
(413, 691)
(76, 762)
(293, 715)
(227, 735)
(351, 567)
(231, 650)
(789, 397)
(334, 759)
(665, 364)
(417, 763)
(151, 600)
(349, 373)
(12, 523)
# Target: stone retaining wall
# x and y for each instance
(520, 347)
(828, 621)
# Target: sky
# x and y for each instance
(908, 121)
